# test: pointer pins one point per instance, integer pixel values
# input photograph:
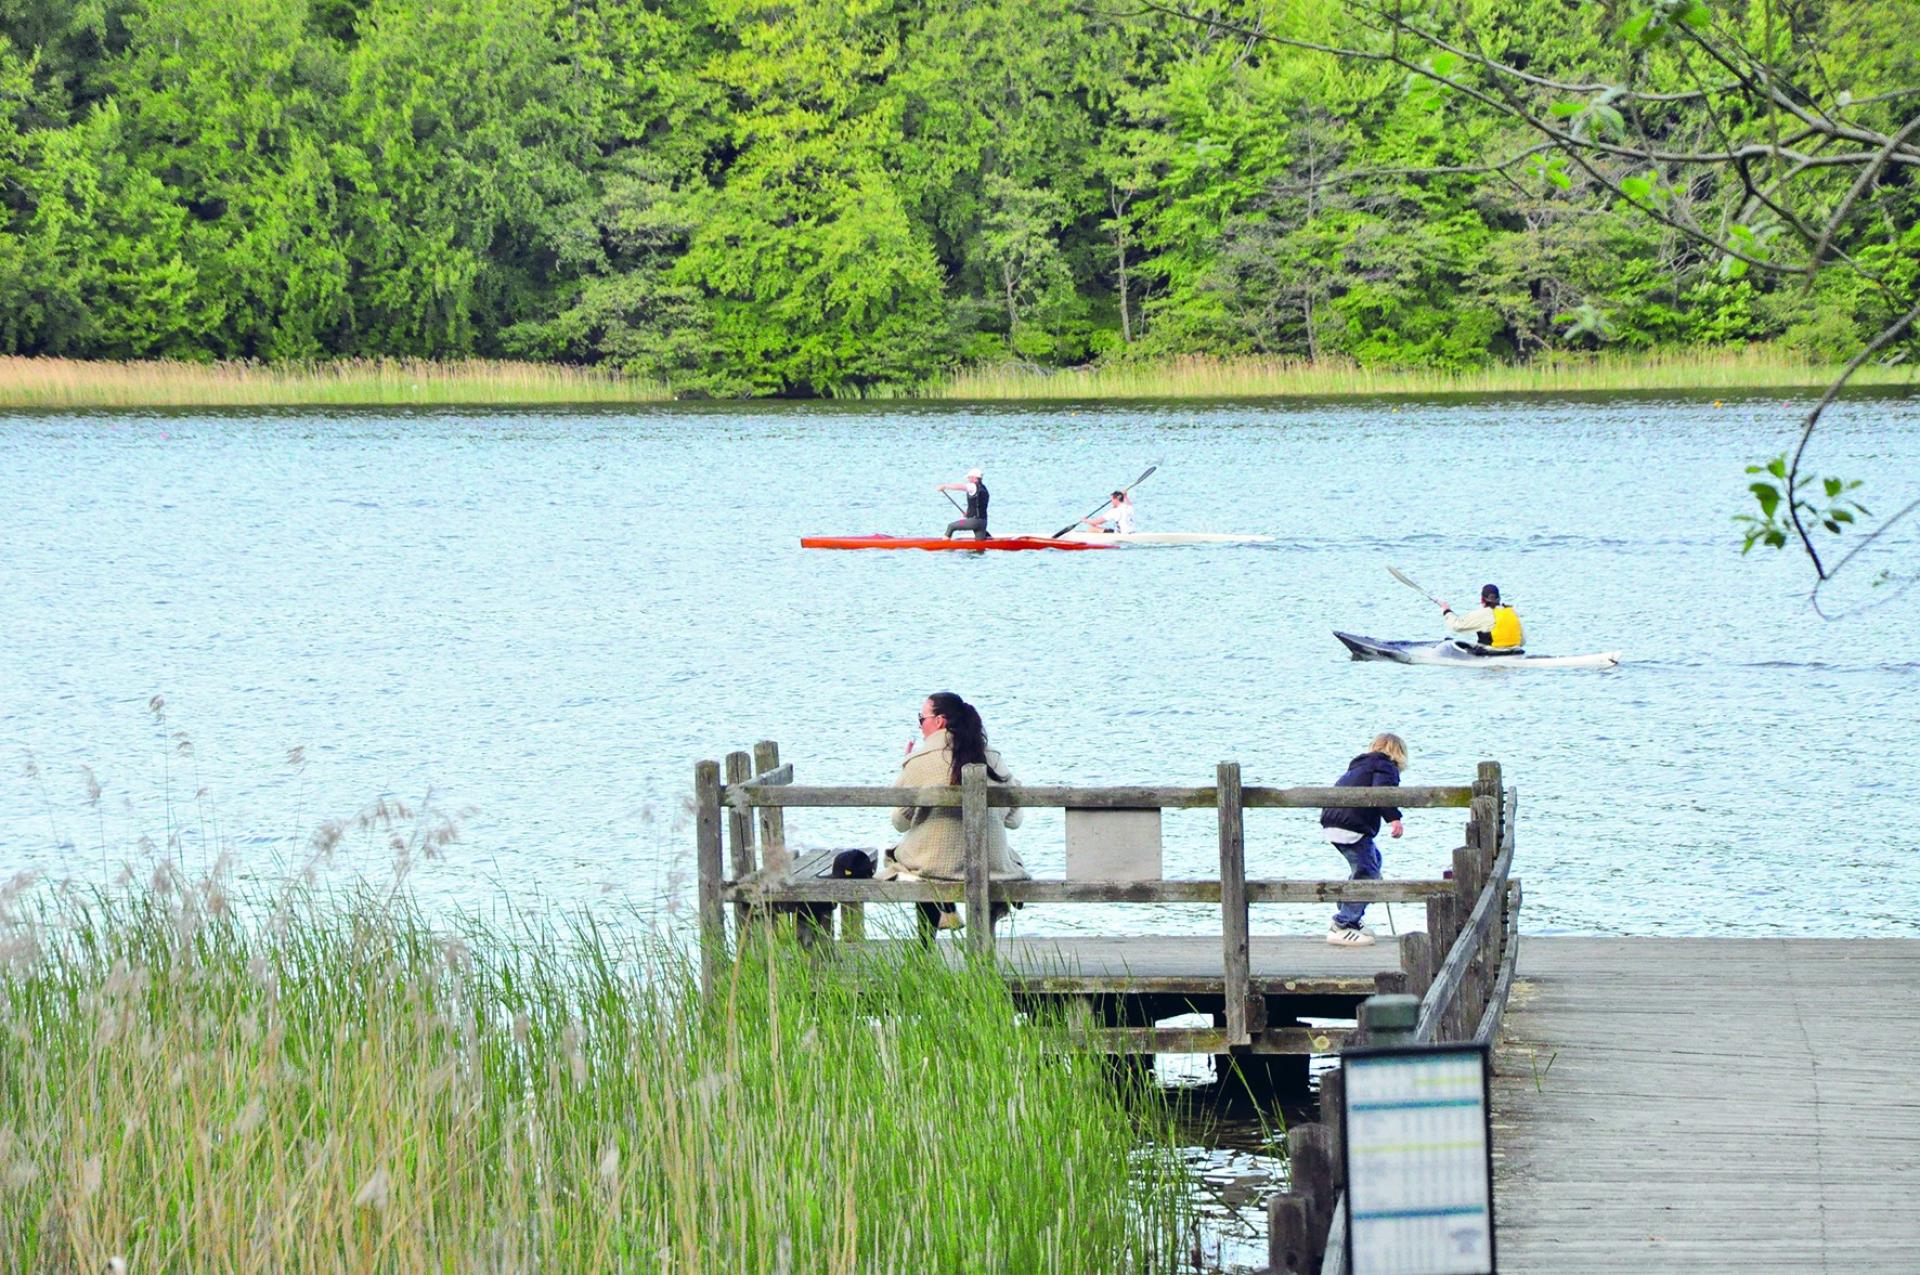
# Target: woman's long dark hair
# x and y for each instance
(966, 734)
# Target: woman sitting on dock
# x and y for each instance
(951, 736)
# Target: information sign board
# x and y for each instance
(1419, 1161)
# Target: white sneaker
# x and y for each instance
(1341, 937)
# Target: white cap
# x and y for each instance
(974, 472)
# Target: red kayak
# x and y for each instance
(941, 542)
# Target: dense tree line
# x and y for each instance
(822, 196)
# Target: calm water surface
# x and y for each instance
(535, 622)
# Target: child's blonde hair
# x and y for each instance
(1392, 745)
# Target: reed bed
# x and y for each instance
(75, 383)
(1734, 369)
(330, 1083)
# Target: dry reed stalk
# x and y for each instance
(77, 383)
(1199, 376)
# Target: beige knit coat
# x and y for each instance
(933, 845)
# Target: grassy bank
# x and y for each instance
(1743, 368)
(334, 1086)
(69, 383)
(348, 383)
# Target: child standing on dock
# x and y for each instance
(1352, 829)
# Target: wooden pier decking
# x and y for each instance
(1710, 1105)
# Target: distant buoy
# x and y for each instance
(1716, 402)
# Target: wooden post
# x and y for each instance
(1310, 1164)
(1333, 1098)
(1440, 933)
(1416, 960)
(1487, 783)
(1289, 1237)
(773, 820)
(713, 915)
(973, 835)
(1233, 903)
(740, 833)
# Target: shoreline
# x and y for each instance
(40, 384)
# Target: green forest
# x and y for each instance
(843, 196)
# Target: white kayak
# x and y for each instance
(1166, 538)
(1453, 653)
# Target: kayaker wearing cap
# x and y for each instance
(1493, 625)
(975, 518)
(1117, 517)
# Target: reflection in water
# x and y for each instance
(1236, 1157)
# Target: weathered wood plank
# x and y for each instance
(739, 831)
(973, 834)
(1776, 1131)
(773, 820)
(1446, 980)
(713, 916)
(1310, 1166)
(1488, 1032)
(1129, 797)
(1289, 1234)
(1177, 965)
(1211, 1040)
(1233, 901)
(1334, 1260)
(778, 889)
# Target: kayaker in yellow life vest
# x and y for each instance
(1492, 625)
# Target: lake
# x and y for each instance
(532, 623)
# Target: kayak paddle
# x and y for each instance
(1402, 578)
(1102, 505)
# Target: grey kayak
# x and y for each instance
(1453, 653)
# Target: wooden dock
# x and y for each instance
(1254, 992)
(1710, 1105)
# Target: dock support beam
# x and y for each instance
(973, 836)
(1233, 903)
(713, 914)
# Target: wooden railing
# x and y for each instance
(750, 866)
(1462, 997)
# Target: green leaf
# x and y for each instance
(1608, 120)
(1768, 495)
(1635, 30)
(1637, 188)
(1567, 110)
(1834, 487)
(1444, 63)
(1696, 15)
(1777, 467)
(1732, 268)
(1559, 178)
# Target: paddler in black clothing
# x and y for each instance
(975, 517)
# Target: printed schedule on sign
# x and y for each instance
(1419, 1190)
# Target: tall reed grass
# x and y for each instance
(1734, 369)
(328, 1083)
(39, 382)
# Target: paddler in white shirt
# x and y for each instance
(1492, 626)
(1116, 518)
